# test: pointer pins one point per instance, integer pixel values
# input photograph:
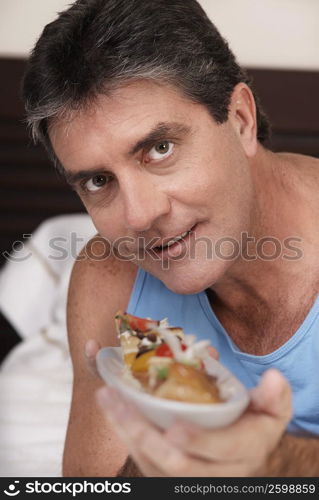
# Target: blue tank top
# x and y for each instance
(297, 359)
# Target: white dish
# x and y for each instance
(164, 412)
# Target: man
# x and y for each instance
(145, 110)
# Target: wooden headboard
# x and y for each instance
(291, 101)
(31, 190)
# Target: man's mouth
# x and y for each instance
(173, 241)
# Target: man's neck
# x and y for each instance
(283, 217)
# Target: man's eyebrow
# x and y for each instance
(169, 130)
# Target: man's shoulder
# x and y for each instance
(98, 262)
(307, 165)
(101, 284)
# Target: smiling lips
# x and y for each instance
(172, 241)
(164, 245)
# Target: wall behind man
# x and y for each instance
(262, 33)
(269, 33)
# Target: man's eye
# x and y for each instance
(96, 182)
(161, 150)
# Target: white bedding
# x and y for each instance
(36, 376)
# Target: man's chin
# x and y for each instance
(188, 280)
(185, 287)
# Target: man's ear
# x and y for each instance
(242, 116)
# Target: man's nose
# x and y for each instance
(144, 203)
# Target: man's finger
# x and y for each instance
(132, 428)
(213, 352)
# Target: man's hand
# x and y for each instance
(241, 449)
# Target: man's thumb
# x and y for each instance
(273, 395)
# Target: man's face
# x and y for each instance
(150, 165)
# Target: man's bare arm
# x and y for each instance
(294, 457)
(97, 290)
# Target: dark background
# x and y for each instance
(31, 190)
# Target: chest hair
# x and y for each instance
(256, 328)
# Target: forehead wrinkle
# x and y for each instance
(61, 127)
